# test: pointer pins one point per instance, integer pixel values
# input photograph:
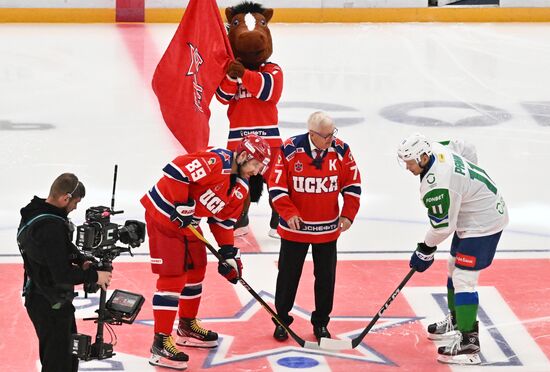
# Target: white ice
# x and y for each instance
(89, 87)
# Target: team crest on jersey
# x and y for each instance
(298, 166)
(430, 178)
(238, 194)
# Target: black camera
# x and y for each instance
(122, 307)
(98, 236)
(98, 232)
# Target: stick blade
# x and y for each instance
(332, 344)
(311, 345)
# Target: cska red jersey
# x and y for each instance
(204, 177)
(253, 104)
(298, 188)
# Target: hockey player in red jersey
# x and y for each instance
(212, 184)
(312, 171)
(252, 88)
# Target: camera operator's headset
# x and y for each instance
(70, 194)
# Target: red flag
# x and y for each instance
(189, 72)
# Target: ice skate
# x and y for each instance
(464, 349)
(443, 330)
(241, 227)
(164, 353)
(191, 334)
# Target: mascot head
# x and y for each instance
(249, 34)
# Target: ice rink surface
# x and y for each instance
(77, 98)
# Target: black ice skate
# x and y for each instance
(463, 350)
(444, 329)
(241, 227)
(164, 353)
(190, 333)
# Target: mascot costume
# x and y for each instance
(252, 87)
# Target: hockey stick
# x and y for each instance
(298, 339)
(331, 344)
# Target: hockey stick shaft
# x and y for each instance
(327, 343)
(298, 339)
(356, 341)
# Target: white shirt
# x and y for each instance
(313, 148)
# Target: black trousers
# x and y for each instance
(54, 329)
(291, 263)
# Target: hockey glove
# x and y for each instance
(183, 213)
(231, 268)
(422, 258)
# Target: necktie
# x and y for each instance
(318, 161)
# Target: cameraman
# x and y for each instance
(53, 266)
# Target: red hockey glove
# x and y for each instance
(231, 268)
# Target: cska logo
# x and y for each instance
(195, 64)
(298, 166)
(242, 93)
(211, 201)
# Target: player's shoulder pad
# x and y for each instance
(291, 144)
(224, 156)
(340, 147)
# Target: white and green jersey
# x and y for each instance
(460, 196)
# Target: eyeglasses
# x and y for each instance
(328, 136)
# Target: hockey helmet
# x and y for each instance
(256, 148)
(413, 147)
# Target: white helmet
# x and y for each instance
(413, 147)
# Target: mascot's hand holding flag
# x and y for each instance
(189, 72)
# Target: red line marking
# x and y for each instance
(142, 49)
(130, 10)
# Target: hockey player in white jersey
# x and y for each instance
(464, 201)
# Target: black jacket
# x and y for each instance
(52, 261)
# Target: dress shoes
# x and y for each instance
(321, 331)
(280, 333)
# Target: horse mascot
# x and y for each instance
(252, 88)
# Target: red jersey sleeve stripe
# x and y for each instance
(354, 190)
(226, 224)
(266, 89)
(224, 95)
(160, 202)
(174, 172)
